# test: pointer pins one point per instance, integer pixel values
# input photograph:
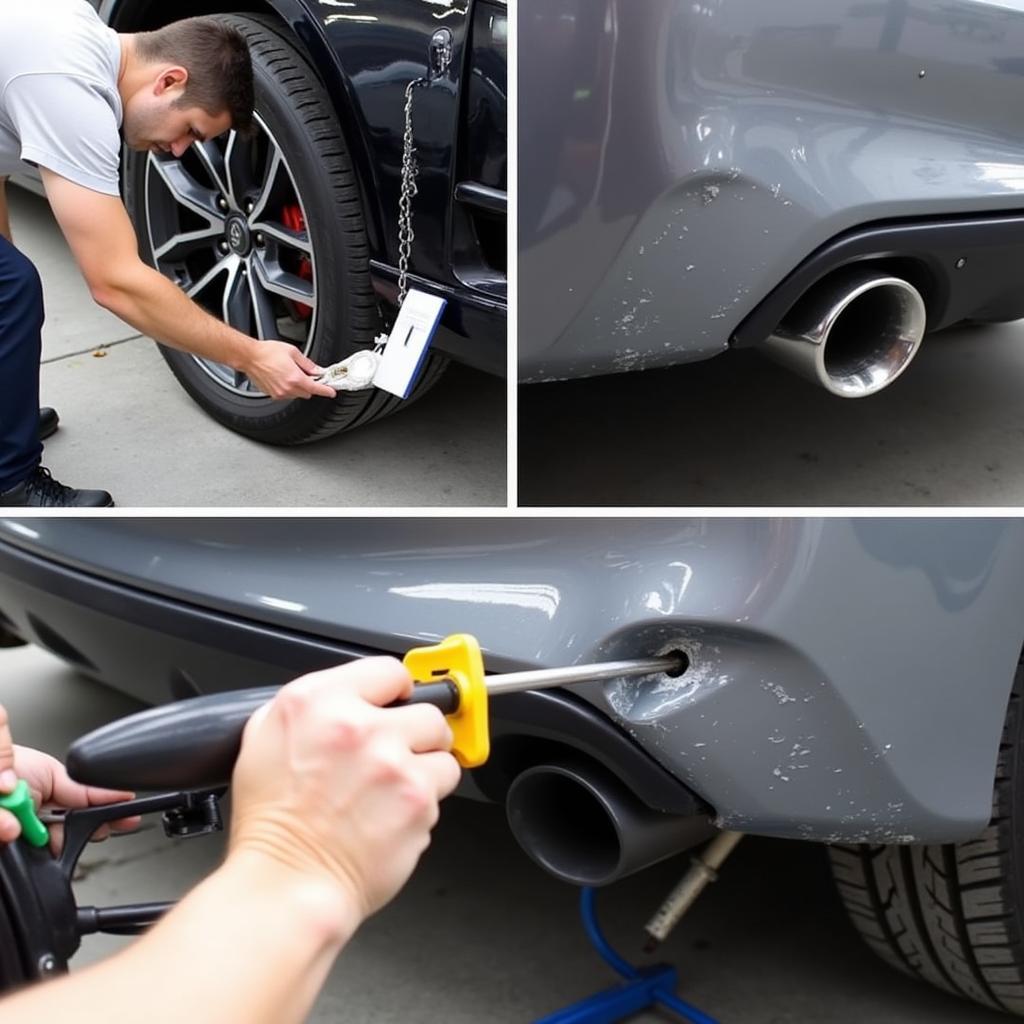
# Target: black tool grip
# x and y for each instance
(443, 695)
(191, 744)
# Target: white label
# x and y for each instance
(407, 345)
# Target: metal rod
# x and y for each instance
(703, 871)
(542, 678)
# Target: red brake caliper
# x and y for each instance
(291, 217)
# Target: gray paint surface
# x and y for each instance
(848, 678)
(678, 159)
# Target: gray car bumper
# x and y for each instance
(848, 678)
(678, 160)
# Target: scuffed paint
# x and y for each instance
(778, 692)
(650, 697)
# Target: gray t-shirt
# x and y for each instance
(59, 105)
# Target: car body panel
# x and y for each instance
(848, 679)
(683, 158)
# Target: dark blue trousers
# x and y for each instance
(21, 325)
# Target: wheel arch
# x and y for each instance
(303, 30)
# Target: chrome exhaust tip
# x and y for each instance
(586, 827)
(853, 333)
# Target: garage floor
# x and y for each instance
(739, 430)
(129, 428)
(480, 934)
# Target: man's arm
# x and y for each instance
(252, 944)
(104, 245)
(5, 220)
(333, 799)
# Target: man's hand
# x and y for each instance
(48, 783)
(280, 370)
(333, 786)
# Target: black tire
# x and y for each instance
(299, 115)
(952, 915)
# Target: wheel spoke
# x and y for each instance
(274, 166)
(237, 304)
(179, 246)
(266, 323)
(293, 239)
(228, 264)
(213, 160)
(238, 168)
(277, 280)
(186, 190)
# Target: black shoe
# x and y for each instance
(48, 423)
(40, 490)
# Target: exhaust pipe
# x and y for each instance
(853, 333)
(584, 826)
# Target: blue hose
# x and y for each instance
(626, 969)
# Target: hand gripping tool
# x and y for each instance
(195, 742)
(190, 747)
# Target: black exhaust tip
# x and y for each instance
(586, 827)
(563, 825)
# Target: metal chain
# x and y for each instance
(409, 189)
(410, 169)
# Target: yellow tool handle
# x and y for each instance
(458, 658)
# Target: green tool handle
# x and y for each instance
(19, 803)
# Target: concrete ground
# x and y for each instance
(129, 428)
(480, 934)
(739, 430)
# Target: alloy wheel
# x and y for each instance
(225, 222)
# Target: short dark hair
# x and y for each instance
(216, 57)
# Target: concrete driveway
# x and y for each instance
(739, 430)
(127, 426)
(480, 934)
